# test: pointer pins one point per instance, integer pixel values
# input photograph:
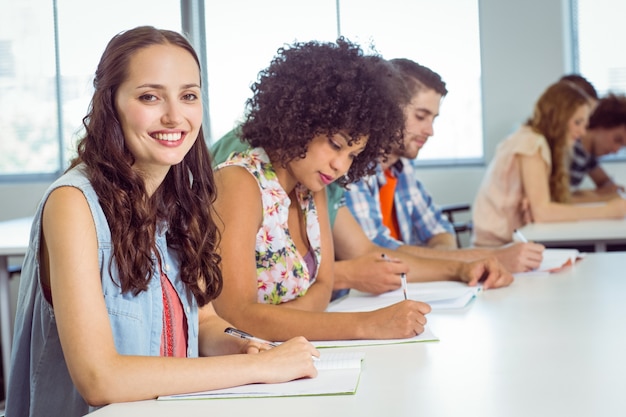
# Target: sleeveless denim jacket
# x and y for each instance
(39, 381)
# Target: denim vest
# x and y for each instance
(39, 381)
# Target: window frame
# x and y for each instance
(192, 22)
(620, 156)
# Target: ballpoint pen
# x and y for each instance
(517, 234)
(243, 335)
(402, 278)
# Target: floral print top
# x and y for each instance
(282, 274)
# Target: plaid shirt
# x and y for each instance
(582, 162)
(419, 218)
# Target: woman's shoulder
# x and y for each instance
(76, 176)
(526, 141)
(253, 157)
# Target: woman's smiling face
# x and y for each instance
(160, 107)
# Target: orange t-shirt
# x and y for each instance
(386, 204)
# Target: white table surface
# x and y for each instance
(14, 236)
(545, 346)
(599, 233)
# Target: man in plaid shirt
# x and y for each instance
(393, 207)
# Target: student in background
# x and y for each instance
(532, 165)
(319, 113)
(393, 207)
(606, 134)
(584, 84)
(116, 287)
(358, 261)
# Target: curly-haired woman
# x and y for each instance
(321, 112)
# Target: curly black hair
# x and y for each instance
(317, 88)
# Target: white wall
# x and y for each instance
(524, 46)
(522, 52)
(19, 200)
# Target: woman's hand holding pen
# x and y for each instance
(520, 256)
(285, 361)
(398, 321)
(290, 360)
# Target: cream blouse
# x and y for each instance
(497, 209)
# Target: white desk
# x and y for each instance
(14, 237)
(545, 346)
(599, 233)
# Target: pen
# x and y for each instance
(243, 335)
(402, 277)
(517, 234)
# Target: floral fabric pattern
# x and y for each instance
(282, 274)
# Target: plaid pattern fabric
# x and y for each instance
(418, 216)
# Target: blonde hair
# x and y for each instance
(551, 116)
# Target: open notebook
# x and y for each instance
(441, 295)
(338, 373)
(425, 336)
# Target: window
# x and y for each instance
(442, 35)
(49, 51)
(243, 36)
(599, 35)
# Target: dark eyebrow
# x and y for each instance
(160, 87)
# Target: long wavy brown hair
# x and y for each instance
(181, 203)
(553, 111)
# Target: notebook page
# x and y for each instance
(339, 360)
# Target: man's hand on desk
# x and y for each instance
(489, 271)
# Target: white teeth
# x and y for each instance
(170, 137)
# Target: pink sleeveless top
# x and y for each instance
(174, 335)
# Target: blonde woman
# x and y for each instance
(529, 174)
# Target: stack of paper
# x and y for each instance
(338, 373)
